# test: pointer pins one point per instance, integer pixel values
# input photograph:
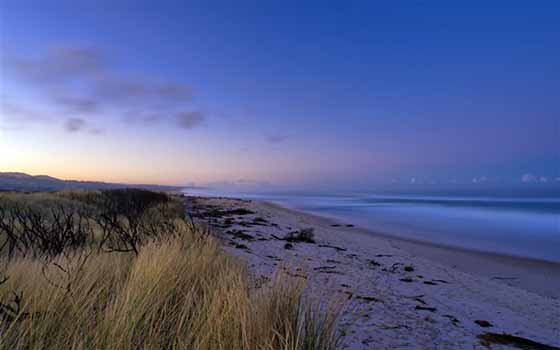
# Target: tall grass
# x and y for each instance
(181, 291)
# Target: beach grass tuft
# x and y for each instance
(171, 289)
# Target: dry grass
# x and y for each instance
(180, 292)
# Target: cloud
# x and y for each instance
(480, 179)
(189, 120)
(96, 131)
(59, 65)
(84, 82)
(16, 113)
(275, 139)
(528, 178)
(123, 89)
(15, 117)
(75, 124)
(78, 104)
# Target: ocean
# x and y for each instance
(520, 222)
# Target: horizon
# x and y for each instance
(287, 95)
(535, 187)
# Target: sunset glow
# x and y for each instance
(183, 94)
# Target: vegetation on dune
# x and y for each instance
(122, 269)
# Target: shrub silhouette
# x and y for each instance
(113, 220)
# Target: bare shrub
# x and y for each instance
(129, 216)
(306, 235)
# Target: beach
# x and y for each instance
(398, 294)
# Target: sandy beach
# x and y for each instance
(398, 294)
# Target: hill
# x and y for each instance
(14, 181)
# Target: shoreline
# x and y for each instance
(535, 275)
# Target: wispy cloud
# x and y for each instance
(110, 88)
(276, 139)
(189, 120)
(84, 105)
(96, 131)
(528, 178)
(59, 65)
(75, 124)
(16, 113)
(84, 83)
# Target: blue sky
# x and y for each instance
(284, 93)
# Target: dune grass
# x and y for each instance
(178, 291)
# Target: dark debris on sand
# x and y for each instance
(488, 339)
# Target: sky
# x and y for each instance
(281, 93)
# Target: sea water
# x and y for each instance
(517, 222)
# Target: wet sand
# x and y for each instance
(539, 276)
